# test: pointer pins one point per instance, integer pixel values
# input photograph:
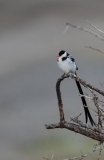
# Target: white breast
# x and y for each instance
(67, 66)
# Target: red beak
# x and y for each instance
(58, 56)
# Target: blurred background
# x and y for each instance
(31, 35)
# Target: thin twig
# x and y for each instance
(52, 156)
(87, 154)
(87, 85)
(101, 111)
(66, 28)
(95, 49)
(86, 126)
(95, 27)
(90, 98)
(100, 151)
(95, 98)
(86, 30)
(101, 101)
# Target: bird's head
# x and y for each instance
(62, 54)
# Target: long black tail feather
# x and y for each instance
(87, 113)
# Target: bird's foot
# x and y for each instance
(70, 74)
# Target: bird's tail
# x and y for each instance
(87, 113)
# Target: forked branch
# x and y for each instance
(96, 133)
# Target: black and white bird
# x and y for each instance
(67, 64)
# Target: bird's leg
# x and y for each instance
(70, 74)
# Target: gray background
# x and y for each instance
(31, 35)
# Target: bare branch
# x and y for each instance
(101, 111)
(87, 85)
(95, 98)
(78, 127)
(86, 30)
(96, 147)
(66, 28)
(60, 105)
(88, 154)
(95, 132)
(101, 148)
(88, 97)
(94, 27)
(86, 126)
(95, 49)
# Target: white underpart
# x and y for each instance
(68, 66)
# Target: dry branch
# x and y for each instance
(95, 27)
(86, 30)
(89, 153)
(85, 84)
(78, 129)
(77, 126)
(97, 132)
(60, 105)
(95, 49)
(96, 147)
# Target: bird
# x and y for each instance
(67, 64)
